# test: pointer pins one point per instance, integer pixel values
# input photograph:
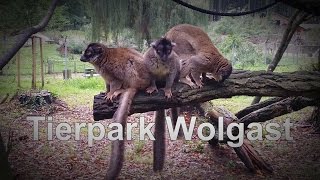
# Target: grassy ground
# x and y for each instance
(75, 91)
(195, 159)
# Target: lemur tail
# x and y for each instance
(120, 116)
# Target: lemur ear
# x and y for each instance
(173, 44)
(153, 44)
(97, 49)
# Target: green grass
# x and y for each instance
(76, 91)
(235, 103)
(286, 64)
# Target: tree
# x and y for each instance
(24, 35)
(296, 19)
(148, 19)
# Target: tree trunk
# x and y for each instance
(34, 64)
(318, 69)
(5, 170)
(306, 84)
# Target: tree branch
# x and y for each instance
(306, 84)
(24, 35)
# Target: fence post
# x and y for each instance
(74, 67)
(18, 69)
(34, 62)
(41, 64)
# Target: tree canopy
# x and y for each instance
(147, 18)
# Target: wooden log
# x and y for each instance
(255, 83)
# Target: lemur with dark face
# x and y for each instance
(125, 71)
(198, 54)
(163, 64)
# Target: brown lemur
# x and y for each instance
(198, 54)
(163, 65)
(125, 71)
(121, 68)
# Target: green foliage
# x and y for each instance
(241, 52)
(59, 21)
(244, 26)
(69, 15)
(76, 46)
(19, 14)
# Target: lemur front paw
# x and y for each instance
(167, 92)
(188, 82)
(110, 96)
(199, 84)
(151, 89)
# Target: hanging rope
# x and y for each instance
(224, 14)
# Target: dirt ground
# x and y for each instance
(56, 159)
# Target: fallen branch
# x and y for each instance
(255, 107)
(248, 155)
(256, 83)
(279, 108)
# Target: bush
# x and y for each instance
(244, 26)
(240, 52)
(76, 46)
